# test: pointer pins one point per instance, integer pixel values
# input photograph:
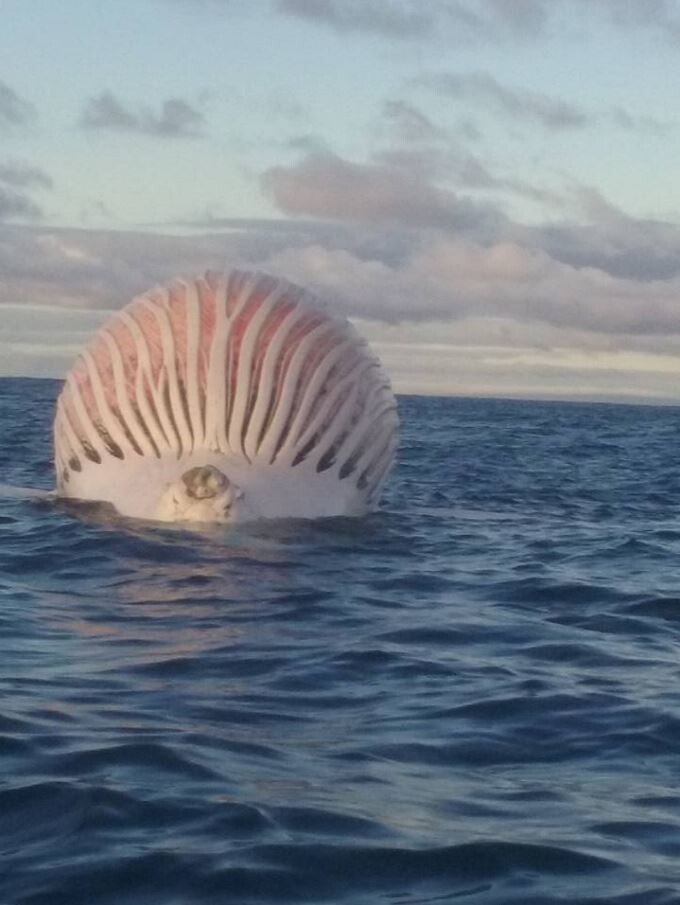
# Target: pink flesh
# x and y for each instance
(176, 311)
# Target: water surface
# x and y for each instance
(472, 696)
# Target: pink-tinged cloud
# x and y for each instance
(449, 277)
(384, 273)
(326, 186)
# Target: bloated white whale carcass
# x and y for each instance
(226, 398)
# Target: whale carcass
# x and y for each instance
(226, 398)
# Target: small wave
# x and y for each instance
(119, 757)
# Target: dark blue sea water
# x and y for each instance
(471, 697)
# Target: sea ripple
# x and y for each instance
(471, 696)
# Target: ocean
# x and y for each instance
(472, 696)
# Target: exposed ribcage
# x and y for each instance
(245, 365)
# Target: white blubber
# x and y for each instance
(226, 398)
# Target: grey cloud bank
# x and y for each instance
(567, 276)
(480, 315)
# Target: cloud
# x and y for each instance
(463, 21)
(555, 114)
(408, 123)
(413, 19)
(631, 123)
(223, 5)
(17, 180)
(502, 313)
(100, 268)
(389, 276)
(106, 112)
(451, 278)
(500, 357)
(467, 171)
(480, 20)
(24, 175)
(398, 19)
(531, 17)
(610, 241)
(326, 186)
(661, 15)
(42, 341)
(176, 118)
(14, 204)
(482, 88)
(13, 110)
(412, 184)
(390, 244)
(521, 17)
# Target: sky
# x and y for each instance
(489, 189)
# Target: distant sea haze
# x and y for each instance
(469, 696)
